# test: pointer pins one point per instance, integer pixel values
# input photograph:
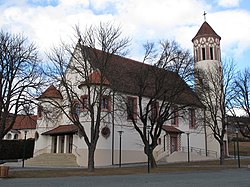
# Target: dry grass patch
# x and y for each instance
(166, 168)
(244, 148)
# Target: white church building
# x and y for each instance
(58, 138)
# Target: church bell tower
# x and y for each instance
(206, 46)
(208, 70)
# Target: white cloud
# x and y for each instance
(74, 3)
(229, 3)
(234, 28)
(47, 25)
(141, 19)
(161, 19)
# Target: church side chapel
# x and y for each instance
(183, 137)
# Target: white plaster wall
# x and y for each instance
(212, 66)
(43, 143)
(196, 135)
(131, 146)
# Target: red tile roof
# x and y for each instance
(62, 129)
(25, 122)
(206, 30)
(51, 92)
(171, 129)
(124, 76)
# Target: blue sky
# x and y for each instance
(46, 22)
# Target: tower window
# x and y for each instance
(211, 53)
(196, 56)
(218, 53)
(203, 50)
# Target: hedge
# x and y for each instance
(14, 149)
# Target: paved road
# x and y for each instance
(225, 178)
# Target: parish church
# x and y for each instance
(183, 138)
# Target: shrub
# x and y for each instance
(14, 149)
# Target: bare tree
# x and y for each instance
(214, 87)
(241, 101)
(87, 70)
(161, 91)
(20, 77)
(172, 57)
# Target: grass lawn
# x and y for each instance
(166, 168)
(244, 148)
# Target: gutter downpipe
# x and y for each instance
(113, 128)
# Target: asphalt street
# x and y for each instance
(224, 178)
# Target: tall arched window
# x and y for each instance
(196, 55)
(9, 136)
(15, 136)
(203, 52)
(218, 54)
(211, 53)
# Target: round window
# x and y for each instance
(105, 132)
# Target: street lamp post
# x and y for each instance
(120, 148)
(148, 129)
(188, 146)
(24, 147)
(234, 150)
(238, 148)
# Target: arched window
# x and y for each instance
(218, 54)
(106, 103)
(211, 53)
(131, 108)
(154, 110)
(8, 137)
(15, 136)
(174, 116)
(203, 52)
(196, 55)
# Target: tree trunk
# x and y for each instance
(152, 160)
(1, 143)
(222, 153)
(91, 159)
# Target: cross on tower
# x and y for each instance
(204, 14)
